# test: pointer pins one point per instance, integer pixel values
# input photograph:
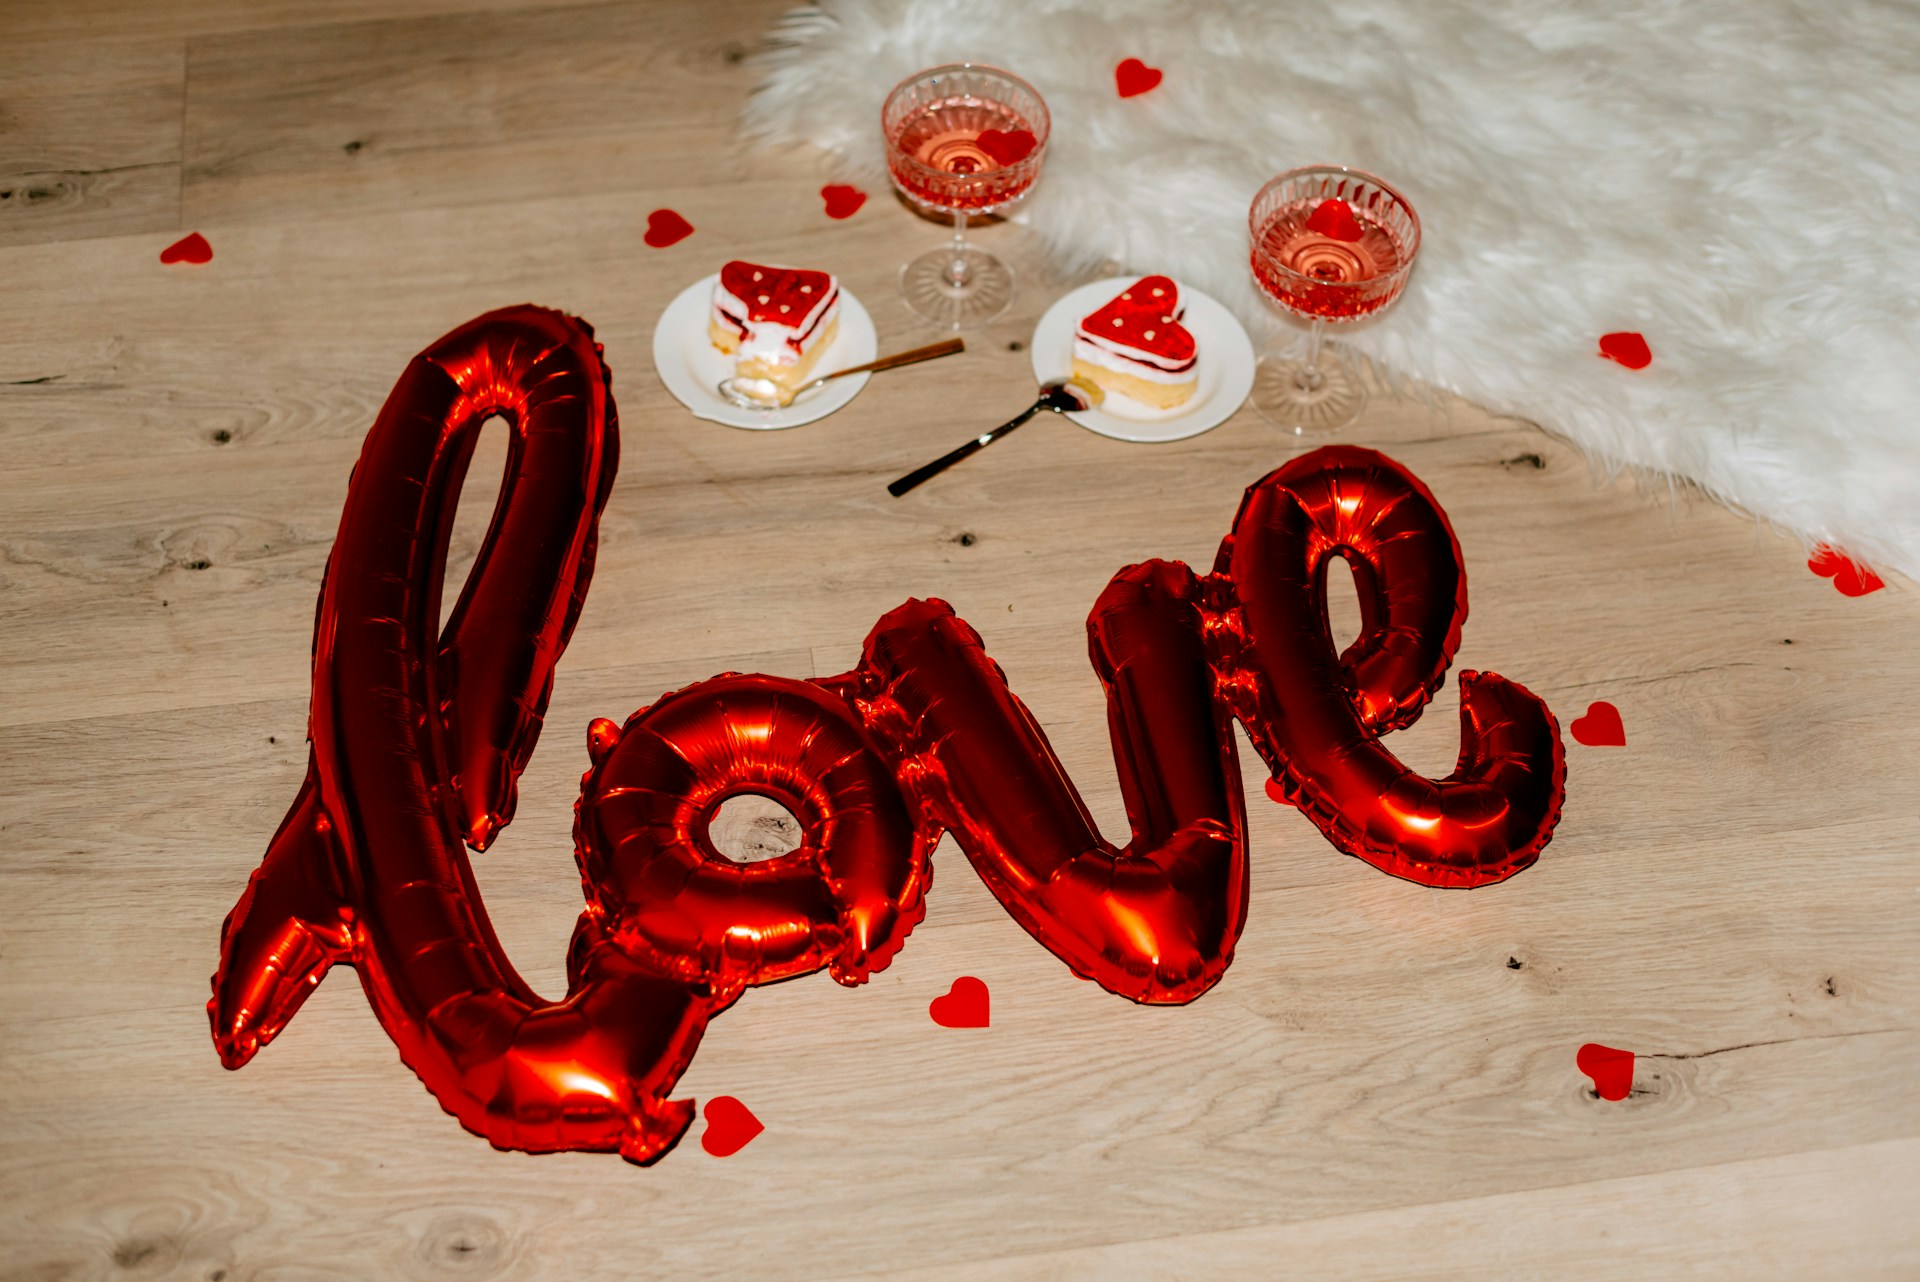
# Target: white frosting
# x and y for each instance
(766, 341)
(1128, 360)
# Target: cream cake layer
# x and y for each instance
(1159, 396)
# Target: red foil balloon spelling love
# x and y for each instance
(418, 742)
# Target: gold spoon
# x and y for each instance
(735, 391)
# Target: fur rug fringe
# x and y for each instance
(1735, 179)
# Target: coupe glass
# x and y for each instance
(962, 139)
(1329, 266)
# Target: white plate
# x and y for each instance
(1226, 365)
(692, 368)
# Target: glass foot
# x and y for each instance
(1307, 399)
(961, 289)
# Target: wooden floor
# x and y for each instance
(1383, 1087)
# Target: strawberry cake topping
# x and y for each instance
(774, 307)
(1139, 332)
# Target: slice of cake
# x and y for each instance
(1136, 346)
(774, 321)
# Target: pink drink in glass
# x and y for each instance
(1314, 274)
(962, 140)
(940, 164)
(1331, 245)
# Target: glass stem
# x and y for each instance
(1309, 378)
(957, 270)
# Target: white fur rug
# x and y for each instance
(1739, 180)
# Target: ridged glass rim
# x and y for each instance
(1409, 252)
(947, 68)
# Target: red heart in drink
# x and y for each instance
(1334, 219)
(664, 227)
(1134, 77)
(1850, 578)
(842, 201)
(731, 1126)
(1628, 348)
(1146, 316)
(962, 1006)
(1601, 727)
(1611, 1070)
(1007, 147)
(188, 249)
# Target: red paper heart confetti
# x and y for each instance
(1134, 77)
(1334, 219)
(731, 1126)
(962, 1006)
(1007, 147)
(1601, 727)
(664, 227)
(188, 249)
(842, 201)
(1850, 577)
(1628, 348)
(1611, 1070)
(1278, 791)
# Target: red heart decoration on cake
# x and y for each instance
(1601, 727)
(842, 201)
(664, 227)
(1146, 316)
(1007, 147)
(962, 1006)
(1611, 1070)
(1334, 219)
(188, 249)
(1628, 348)
(1134, 77)
(731, 1126)
(1851, 578)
